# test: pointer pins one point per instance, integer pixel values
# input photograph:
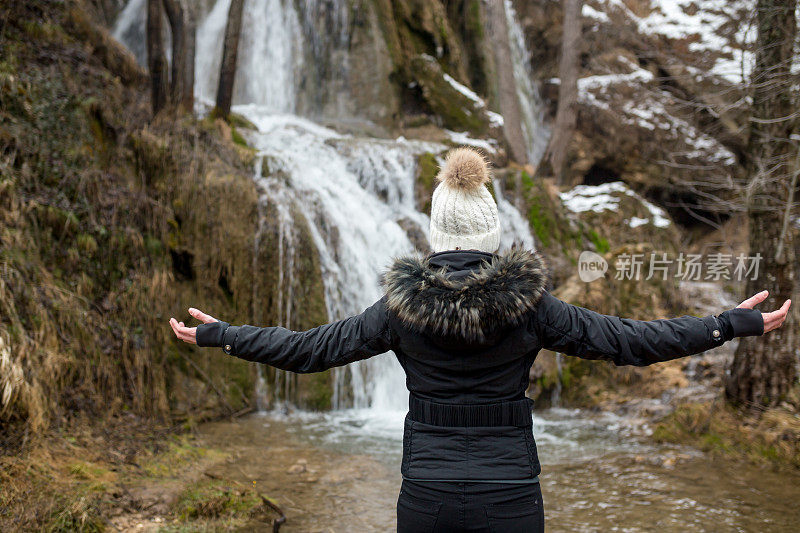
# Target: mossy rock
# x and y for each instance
(456, 110)
(305, 294)
(413, 27)
(240, 121)
(217, 500)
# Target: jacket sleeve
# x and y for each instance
(335, 344)
(573, 330)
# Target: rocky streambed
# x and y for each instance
(339, 471)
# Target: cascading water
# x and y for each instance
(269, 59)
(129, 29)
(534, 128)
(352, 192)
(274, 192)
(356, 193)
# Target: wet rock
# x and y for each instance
(454, 104)
(299, 467)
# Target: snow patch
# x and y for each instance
(496, 120)
(463, 89)
(460, 137)
(705, 27)
(606, 197)
(590, 12)
(604, 80)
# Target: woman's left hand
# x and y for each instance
(190, 334)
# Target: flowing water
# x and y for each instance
(357, 196)
(534, 128)
(339, 471)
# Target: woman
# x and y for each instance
(466, 325)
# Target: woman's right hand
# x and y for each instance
(772, 320)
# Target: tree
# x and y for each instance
(764, 369)
(568, 70)
(182, 26)
(156, 61)
(230, 51)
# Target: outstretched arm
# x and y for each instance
(336, 344)
(573, 330)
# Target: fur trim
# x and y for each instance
(465, 169)
(490, 299)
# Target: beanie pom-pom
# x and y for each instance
(465, 169)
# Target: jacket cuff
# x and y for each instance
(211, 334)
(745, 322)
(229, 339)
(715, 329)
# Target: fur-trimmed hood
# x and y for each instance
(471, 304)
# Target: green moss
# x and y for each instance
(540, 215)
(456, 110)
(238, 121)
(474, 20)
(179, 453)
(44, 31)
(215, 500)
(75, 512)
(427, 169)
(87, 471)
(319, 391)
(86, 244)
(239, 139)
(721, 429)
(600, 243)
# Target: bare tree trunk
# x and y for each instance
(763, 369)
(568, 71)
(182, 25)
(230, 51)
(156, 61)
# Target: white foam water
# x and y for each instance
(534, 128)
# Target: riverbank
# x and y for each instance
(128, 476)
(339, 471)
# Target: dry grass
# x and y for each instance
(109, 224)
(768, 437)
(84, 479)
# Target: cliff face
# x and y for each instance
(662, 104)
(111, 223)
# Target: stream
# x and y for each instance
(339, 471)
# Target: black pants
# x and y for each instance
(443, 507)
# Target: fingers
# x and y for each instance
(182, 332)
(190, 334)
(775, 319)
(201, 316)
(754, 300)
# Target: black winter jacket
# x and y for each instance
(466, 327)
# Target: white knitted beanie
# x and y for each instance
(463, 212)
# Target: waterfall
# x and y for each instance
(355, 193)
(129, 29)
(269, 59)
(274, 191)
(555, 395)
(534, 129)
